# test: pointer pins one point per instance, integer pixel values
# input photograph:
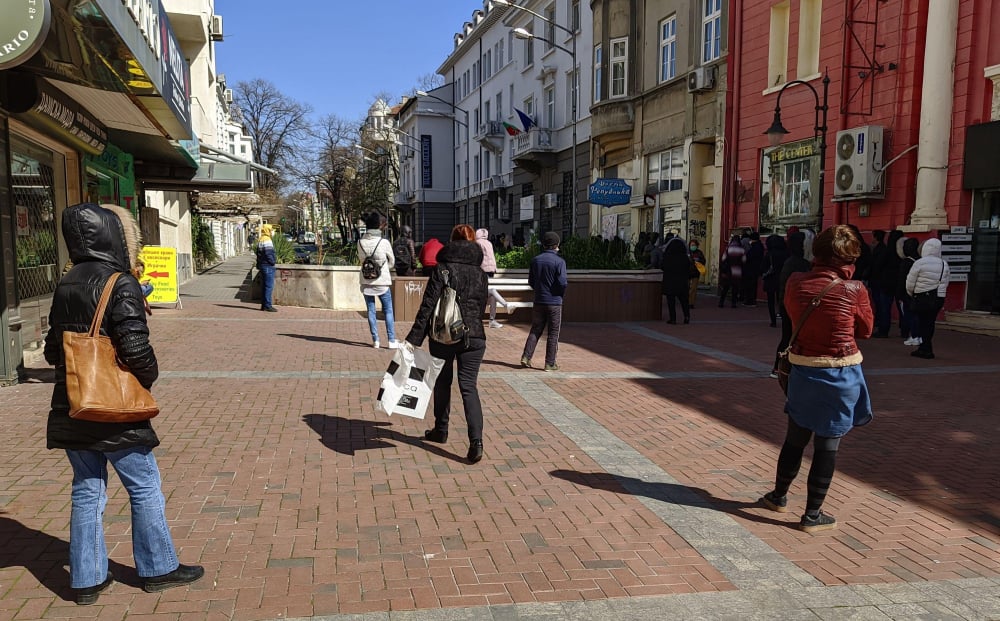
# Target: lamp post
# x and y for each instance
(776, 132)
(521, 33)
(468, 144)
(420, 201)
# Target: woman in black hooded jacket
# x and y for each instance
(462, 257)
(104, 240)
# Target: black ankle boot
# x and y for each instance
(475, 451)
(436, 435)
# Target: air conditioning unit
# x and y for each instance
(221, 79)
(858, 163)
(215, 28)
(228, 95)
(550, 201)
(701, 79)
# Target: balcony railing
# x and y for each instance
(534, 141)
(490, 129)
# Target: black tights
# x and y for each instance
(824, 462)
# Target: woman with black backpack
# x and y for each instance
(459, 268)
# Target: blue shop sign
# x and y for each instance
(610, 192)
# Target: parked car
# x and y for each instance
(307, 238)
(305, 253)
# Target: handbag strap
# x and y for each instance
(809, 309)
(102, 304)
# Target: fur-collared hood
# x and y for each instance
(105, 233)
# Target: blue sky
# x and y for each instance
(336, 55)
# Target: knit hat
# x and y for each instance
(550, 239)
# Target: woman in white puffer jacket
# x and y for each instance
(927, 284)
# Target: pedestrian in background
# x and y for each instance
(881, 282)
(404, 253)
(266, 260)
(698, 259)
(104, 240)
(796, 262)
(490, 267)
(752, 267)
(677, 269)
(428, 256)
(462, 258)
(373, 245)
(547, 277)
(927, 282)
(827, 393)
(731, 270)
(774, 260)
(909, 324)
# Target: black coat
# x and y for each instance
(462, 259)
(96, 239)
(677, 268)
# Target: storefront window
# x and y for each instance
(33, 182)
(984, 277)
(790, 174)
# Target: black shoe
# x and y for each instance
(436, 435)
(815, 524)
(775, 503)
(687, 320)
(919, 353)
(773, 324)
(88, 595)
(184, 574)
(721, 304)
(475, 451)
(671, 321)
(879, 335)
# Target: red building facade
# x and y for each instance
(905, 109)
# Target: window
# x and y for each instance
(598, 73)
(486, 167)
(475, 165)
(486, 111)
(529, 106)
(550, 107)
(550, 26)
(477, 77)
(499, 106)
(777, 53)
(510, 91)
(665, 169)
(488, 64)
(573, 88)
(668, 49)
(619, 66)
(499, 54)
(510, 43)
(574, 16)
(478, 117)
(529, 50)
(810, 16)
(711, 30)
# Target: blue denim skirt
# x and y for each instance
(829, 402)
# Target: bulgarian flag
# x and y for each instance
(511, 130)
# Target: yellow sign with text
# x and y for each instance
(161, 272)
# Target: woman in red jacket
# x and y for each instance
(827, 394)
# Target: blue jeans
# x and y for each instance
(268, 280)
(152, 547)
(390, 320)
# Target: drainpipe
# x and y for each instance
(936, 103)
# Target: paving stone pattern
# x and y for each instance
(621, 487)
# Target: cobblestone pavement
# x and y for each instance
(622, 487)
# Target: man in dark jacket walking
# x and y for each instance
(547, 277)
(104, 240)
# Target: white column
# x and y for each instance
(993, 73)
(936, 102)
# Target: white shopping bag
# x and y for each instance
(408, 383)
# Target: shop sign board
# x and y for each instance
(609, 192)
(161, 270)
(49, 109)
(23, 30)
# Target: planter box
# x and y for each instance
(592, 295)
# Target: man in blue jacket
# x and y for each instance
(547, 277)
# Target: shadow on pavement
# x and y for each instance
(325, 339)
(46, 557)
(347, 436)
(241, 307)
(671, 493)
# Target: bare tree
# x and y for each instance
(277, 125)
(429, 81)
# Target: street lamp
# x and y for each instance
(521, 33)
(776, 132)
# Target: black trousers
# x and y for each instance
(786, 335)
(672, 307)
(469, 360)
(543, 315)
(824, 463)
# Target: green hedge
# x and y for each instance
(593, 253)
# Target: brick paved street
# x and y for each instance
(622, 487)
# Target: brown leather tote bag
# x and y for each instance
(99, 387)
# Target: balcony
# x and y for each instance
(490, 134)
(532, 144)
(611, 117)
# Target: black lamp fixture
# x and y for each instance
(777, 132)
